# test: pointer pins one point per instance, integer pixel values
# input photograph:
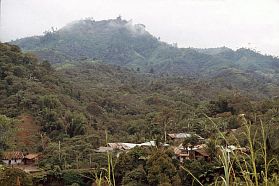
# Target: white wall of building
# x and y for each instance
(12, 162)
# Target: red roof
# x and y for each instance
(12, 155)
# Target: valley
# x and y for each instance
(107, 103)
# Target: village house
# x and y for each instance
(124, 146)
(18, 158)
(195, 152)
(104, 149)
(31, 159)
(12, 157)
(128, 146)
(180, 137)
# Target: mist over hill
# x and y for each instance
(123, 43)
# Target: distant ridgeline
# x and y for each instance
(120, 42)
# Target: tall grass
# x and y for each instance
(109, 178)
(248, 173)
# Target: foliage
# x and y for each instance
(173, 90)
(71, 177)
(122, 43)
(14, 176)
(161, 169)
(7, 127)
(135, 177)
(191, 141)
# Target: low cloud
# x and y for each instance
(194, 23)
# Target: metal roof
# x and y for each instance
(127, 146)
(183, 136)
(31, 156)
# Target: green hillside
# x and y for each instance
(123, 43)
(110, 82)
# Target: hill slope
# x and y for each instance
(120, 42)
(71, 108)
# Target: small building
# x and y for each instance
(31, 159)
(201, 154)
(183, 136)
(180, 137)
(104, 149)
(122, 146)
(196, 152)
(128, 146)
(12, 157)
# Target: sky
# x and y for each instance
(189, 23)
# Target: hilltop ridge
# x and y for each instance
(122, 43)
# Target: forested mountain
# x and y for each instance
(94, 93)
(112, 81)
(113, 41)
(120, 42)
(70, 109)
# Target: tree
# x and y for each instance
(49, 101)
(47, 65)
(75, 123)
(166, 117)
(51, 121)
(123, 165)
(161, 169)
(129, 161)
(135, 177)
(152, 70)
(200, 169)
(72, 177)
(6, 131)
(191, 141)
(211, 148)
(13, 176)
